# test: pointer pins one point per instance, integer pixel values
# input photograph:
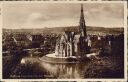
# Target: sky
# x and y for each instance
(40, 15)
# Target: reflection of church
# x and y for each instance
(72, 43)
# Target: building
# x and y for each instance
(74, 43)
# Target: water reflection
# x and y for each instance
(74, 70)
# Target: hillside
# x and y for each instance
(59, 30)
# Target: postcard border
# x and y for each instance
(125, 41)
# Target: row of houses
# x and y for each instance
(21, 40)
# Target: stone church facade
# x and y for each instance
(72, 43)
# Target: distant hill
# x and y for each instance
(59, 30)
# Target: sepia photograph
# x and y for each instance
(63, 40)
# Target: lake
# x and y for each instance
(55, 70)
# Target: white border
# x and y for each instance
(75, 1)
(125, 38)
(1, 39)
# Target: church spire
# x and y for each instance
(82, 28)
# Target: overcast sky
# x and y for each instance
(40, 15)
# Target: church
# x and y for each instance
(74, 43)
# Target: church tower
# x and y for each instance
(82, 28)
(84, 48)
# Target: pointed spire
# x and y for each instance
(82, 23)
(82, 13)
(81, 7)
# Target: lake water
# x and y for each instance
(34, 68)
(61, 71)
